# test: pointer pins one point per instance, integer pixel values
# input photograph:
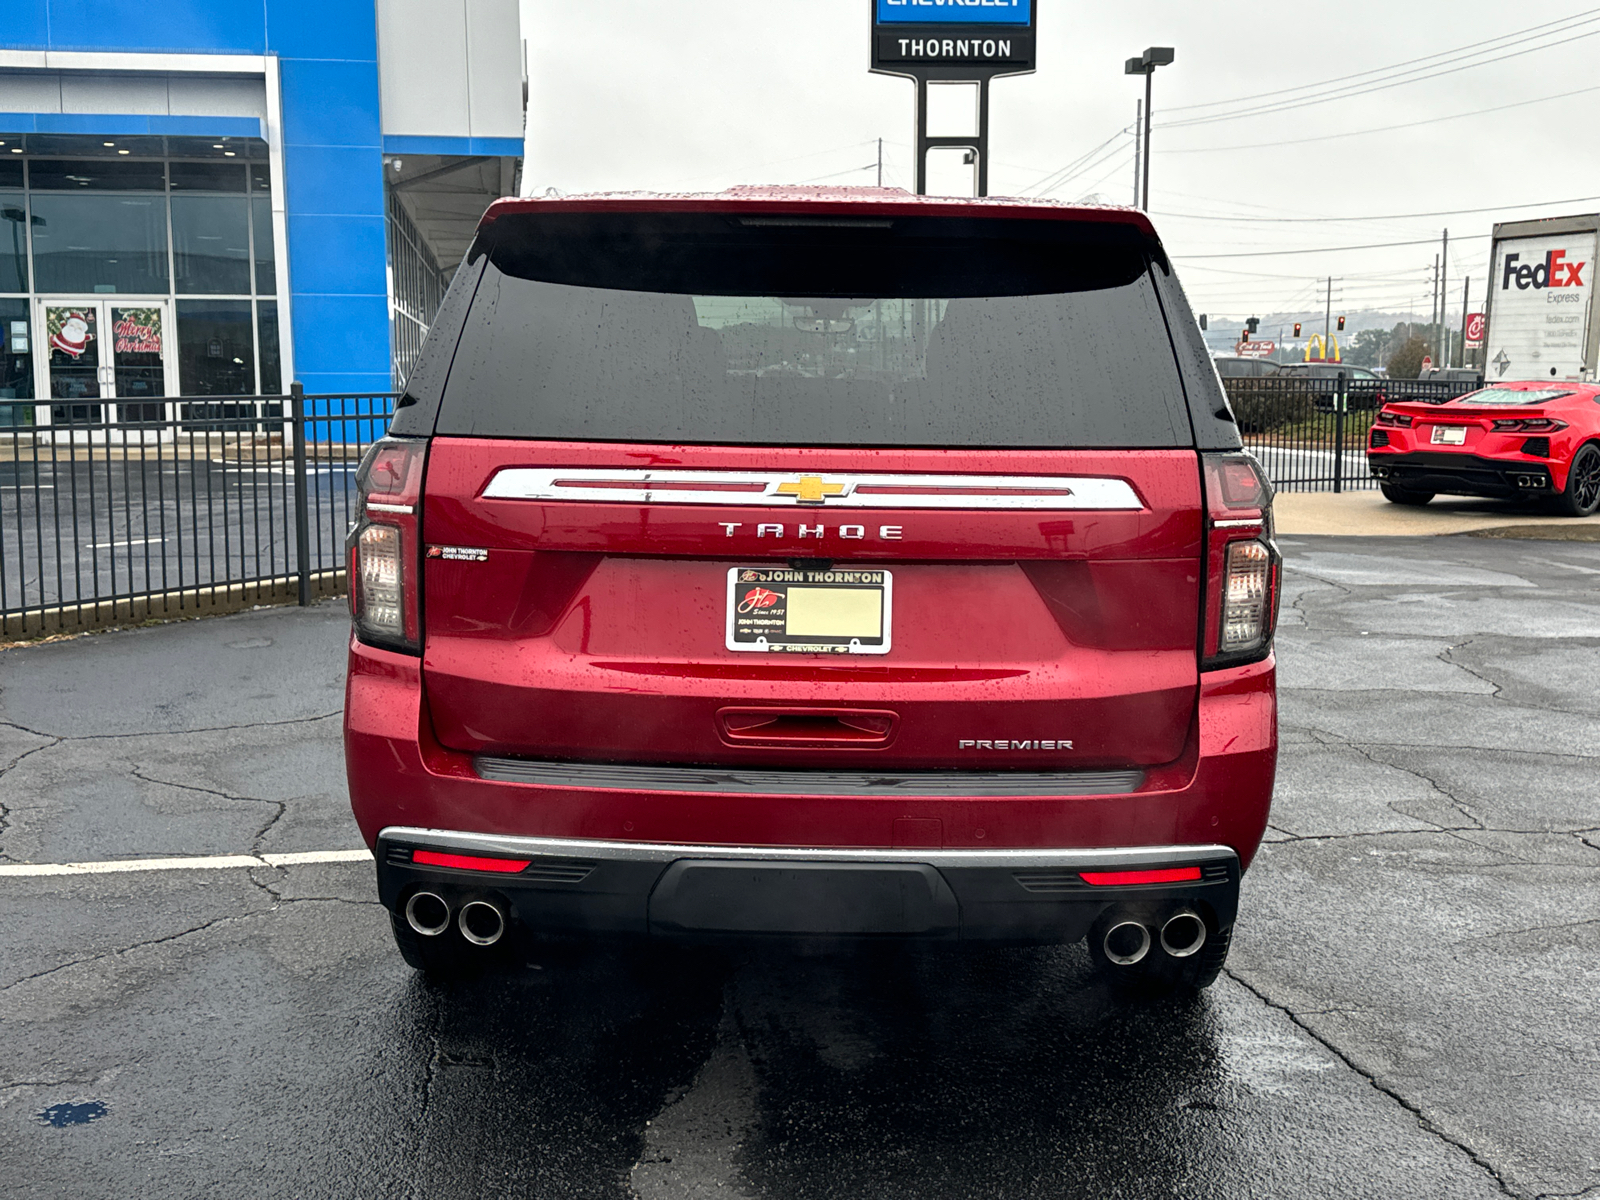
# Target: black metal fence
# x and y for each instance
(1311, 433)
(114, 512)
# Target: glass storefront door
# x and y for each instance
(99, 350)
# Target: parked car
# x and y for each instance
(1437, 385)
(771, 564)
(1507, 441)
(1364, 389)
(1236, 367)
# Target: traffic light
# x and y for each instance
(1297, 329)
(1341, 324)
(1244, 335)
(1254, 323)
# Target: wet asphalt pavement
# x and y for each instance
(1410, 1010)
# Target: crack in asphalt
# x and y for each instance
(1489, 937)
(282, 806)
(121, 950)
(430, 1077)
(1425, 1123)
(167, 733)
(1444, 656)
(1438, 831)
(1311, 731)
(5, 809)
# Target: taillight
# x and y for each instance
(1243, 565)
(1246, 597)
(1393, 418)
(384, 545)
(1529, 425)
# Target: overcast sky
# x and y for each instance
(704, 94)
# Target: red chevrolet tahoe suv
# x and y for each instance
(820, 564)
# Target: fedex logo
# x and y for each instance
(1554, 272)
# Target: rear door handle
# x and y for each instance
(819, 727)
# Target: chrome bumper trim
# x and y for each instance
(765, 781)
(506, 846)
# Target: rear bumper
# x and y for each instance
(1467, 474)
(945, 847)
(590, 888)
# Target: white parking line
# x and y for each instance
(155, 541)
(216, 862)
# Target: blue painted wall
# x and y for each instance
(333, 148)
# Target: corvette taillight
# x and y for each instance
(1243, 565)
(1529, 425)
(1393, 418)
(383, 546)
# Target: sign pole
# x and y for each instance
(940, 44)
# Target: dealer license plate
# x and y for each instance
(1449, 435)
(781, 610)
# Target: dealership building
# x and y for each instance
(218, 197)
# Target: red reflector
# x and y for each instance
(466, 862)
(1125, 878)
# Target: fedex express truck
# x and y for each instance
(1541, 321)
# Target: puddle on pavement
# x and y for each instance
(62, 1115)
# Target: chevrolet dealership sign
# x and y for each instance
(948, 38)
(955, 12)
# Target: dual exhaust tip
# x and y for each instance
(1128, 942)
(481, 921)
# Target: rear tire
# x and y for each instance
(1395, 494)
(1582, 495)
(1159, 974)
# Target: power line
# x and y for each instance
(1314, 250)
(1329, 137)
(1351, 93)
(1452, 212)
(1481, 46)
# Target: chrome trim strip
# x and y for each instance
(766, 781)
(508, 846)
(1054, 493)
(403, 509)
(1247, 524)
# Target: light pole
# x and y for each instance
(1146, 64)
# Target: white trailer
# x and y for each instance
(1540, 308)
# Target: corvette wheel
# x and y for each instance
(1582, 496)
(1395, 494)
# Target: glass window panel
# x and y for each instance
(260, 177)
(100, 243)
(266, 264)
(13, 243)
(211, 244)
(216, 351)
(72, 337)
(207, 177)
(136, 344)
(87, 145)
(10, 168)
(217, 147)
(16, 352)
(271, 369)
(116, 174)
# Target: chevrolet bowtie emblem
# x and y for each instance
(810, 489)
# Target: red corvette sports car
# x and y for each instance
(1509, 440)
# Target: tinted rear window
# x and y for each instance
(698, 328)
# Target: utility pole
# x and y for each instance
(1327, 319)
(1149, 79)
(1444, 299)
(880, 162)
(1146, 64)
(1138, 132)
(1466, 303)
(1433, 305)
